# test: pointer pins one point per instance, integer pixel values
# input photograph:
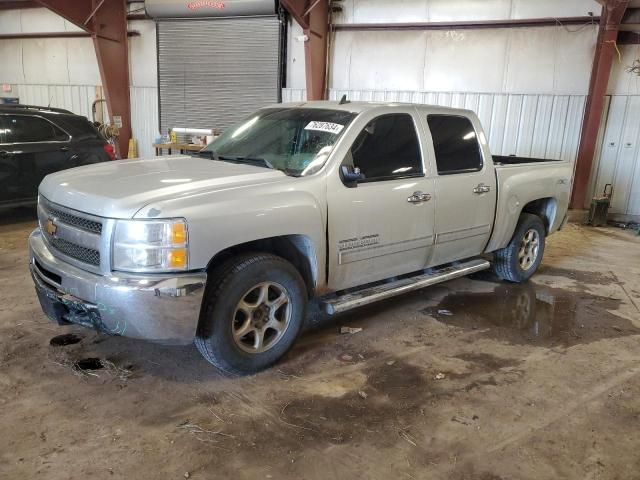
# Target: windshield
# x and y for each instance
(295, 140)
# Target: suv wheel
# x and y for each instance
(253, 311)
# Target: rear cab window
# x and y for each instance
(388, 148)
(455, 144)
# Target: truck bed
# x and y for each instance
(521, 180)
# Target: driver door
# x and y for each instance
(383, 226)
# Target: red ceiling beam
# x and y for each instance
(73, 11)
(296, 9)
(16, 4)
(106, 22)
(468, 25)
(313, 17)
(27, 36)
(606, 46)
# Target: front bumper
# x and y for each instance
(161, 308)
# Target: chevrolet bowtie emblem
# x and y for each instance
(51, 227)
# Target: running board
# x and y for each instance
(369, 295)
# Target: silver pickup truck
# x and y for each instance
(337, 203)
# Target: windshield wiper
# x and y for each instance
(203, 154)
(258, 162)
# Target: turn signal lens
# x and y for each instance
(177, 258)
(178, 233)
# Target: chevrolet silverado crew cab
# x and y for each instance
(337, 203)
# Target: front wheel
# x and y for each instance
(253, 311)
(520, 259)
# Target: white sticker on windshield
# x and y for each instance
(328, 127)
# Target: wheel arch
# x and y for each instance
(299, 250)
(545, 208)
(507, 219)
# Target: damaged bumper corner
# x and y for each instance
(160, 308)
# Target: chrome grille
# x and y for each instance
(86, 255)
(73, 220)
(76, 236)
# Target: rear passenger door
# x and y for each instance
(382, 227)
(12, 181)
(39, 147)
(465, 188)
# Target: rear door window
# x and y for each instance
(78, 126)
(4, 128)
(29, 129)
(388, 148)
(455, 144)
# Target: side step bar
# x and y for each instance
(369, 295)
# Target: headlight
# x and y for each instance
(150, 245)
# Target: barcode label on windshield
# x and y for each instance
(328, 127)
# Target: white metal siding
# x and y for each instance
(544, 126)
(358, 11)
(618, 161)
(144, 119)
(76, 98)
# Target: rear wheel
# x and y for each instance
(253, 311)
(520, 259)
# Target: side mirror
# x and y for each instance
(351, 176)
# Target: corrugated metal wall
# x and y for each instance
(76, 98)
(618, 159)
(544, 126)
(144, 118)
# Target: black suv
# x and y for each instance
(37, 141)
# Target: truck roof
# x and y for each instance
(359, 107)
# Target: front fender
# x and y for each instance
(221, 220)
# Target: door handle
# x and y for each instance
(5, 153)
(64, 149)
(419, 197)
(481, 188)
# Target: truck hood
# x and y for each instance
(119, 189)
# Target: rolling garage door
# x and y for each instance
(213, 72)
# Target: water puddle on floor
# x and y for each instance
(64, 340)
(532, 313)
(89, 364)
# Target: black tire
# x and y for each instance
(228, 285)
(506, 263)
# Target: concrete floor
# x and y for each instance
(470, 380)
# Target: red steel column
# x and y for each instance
(106, 21)
(313, 17)
(112, 50)
(612, 13)
(315, 50)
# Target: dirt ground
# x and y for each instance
(474, 379)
